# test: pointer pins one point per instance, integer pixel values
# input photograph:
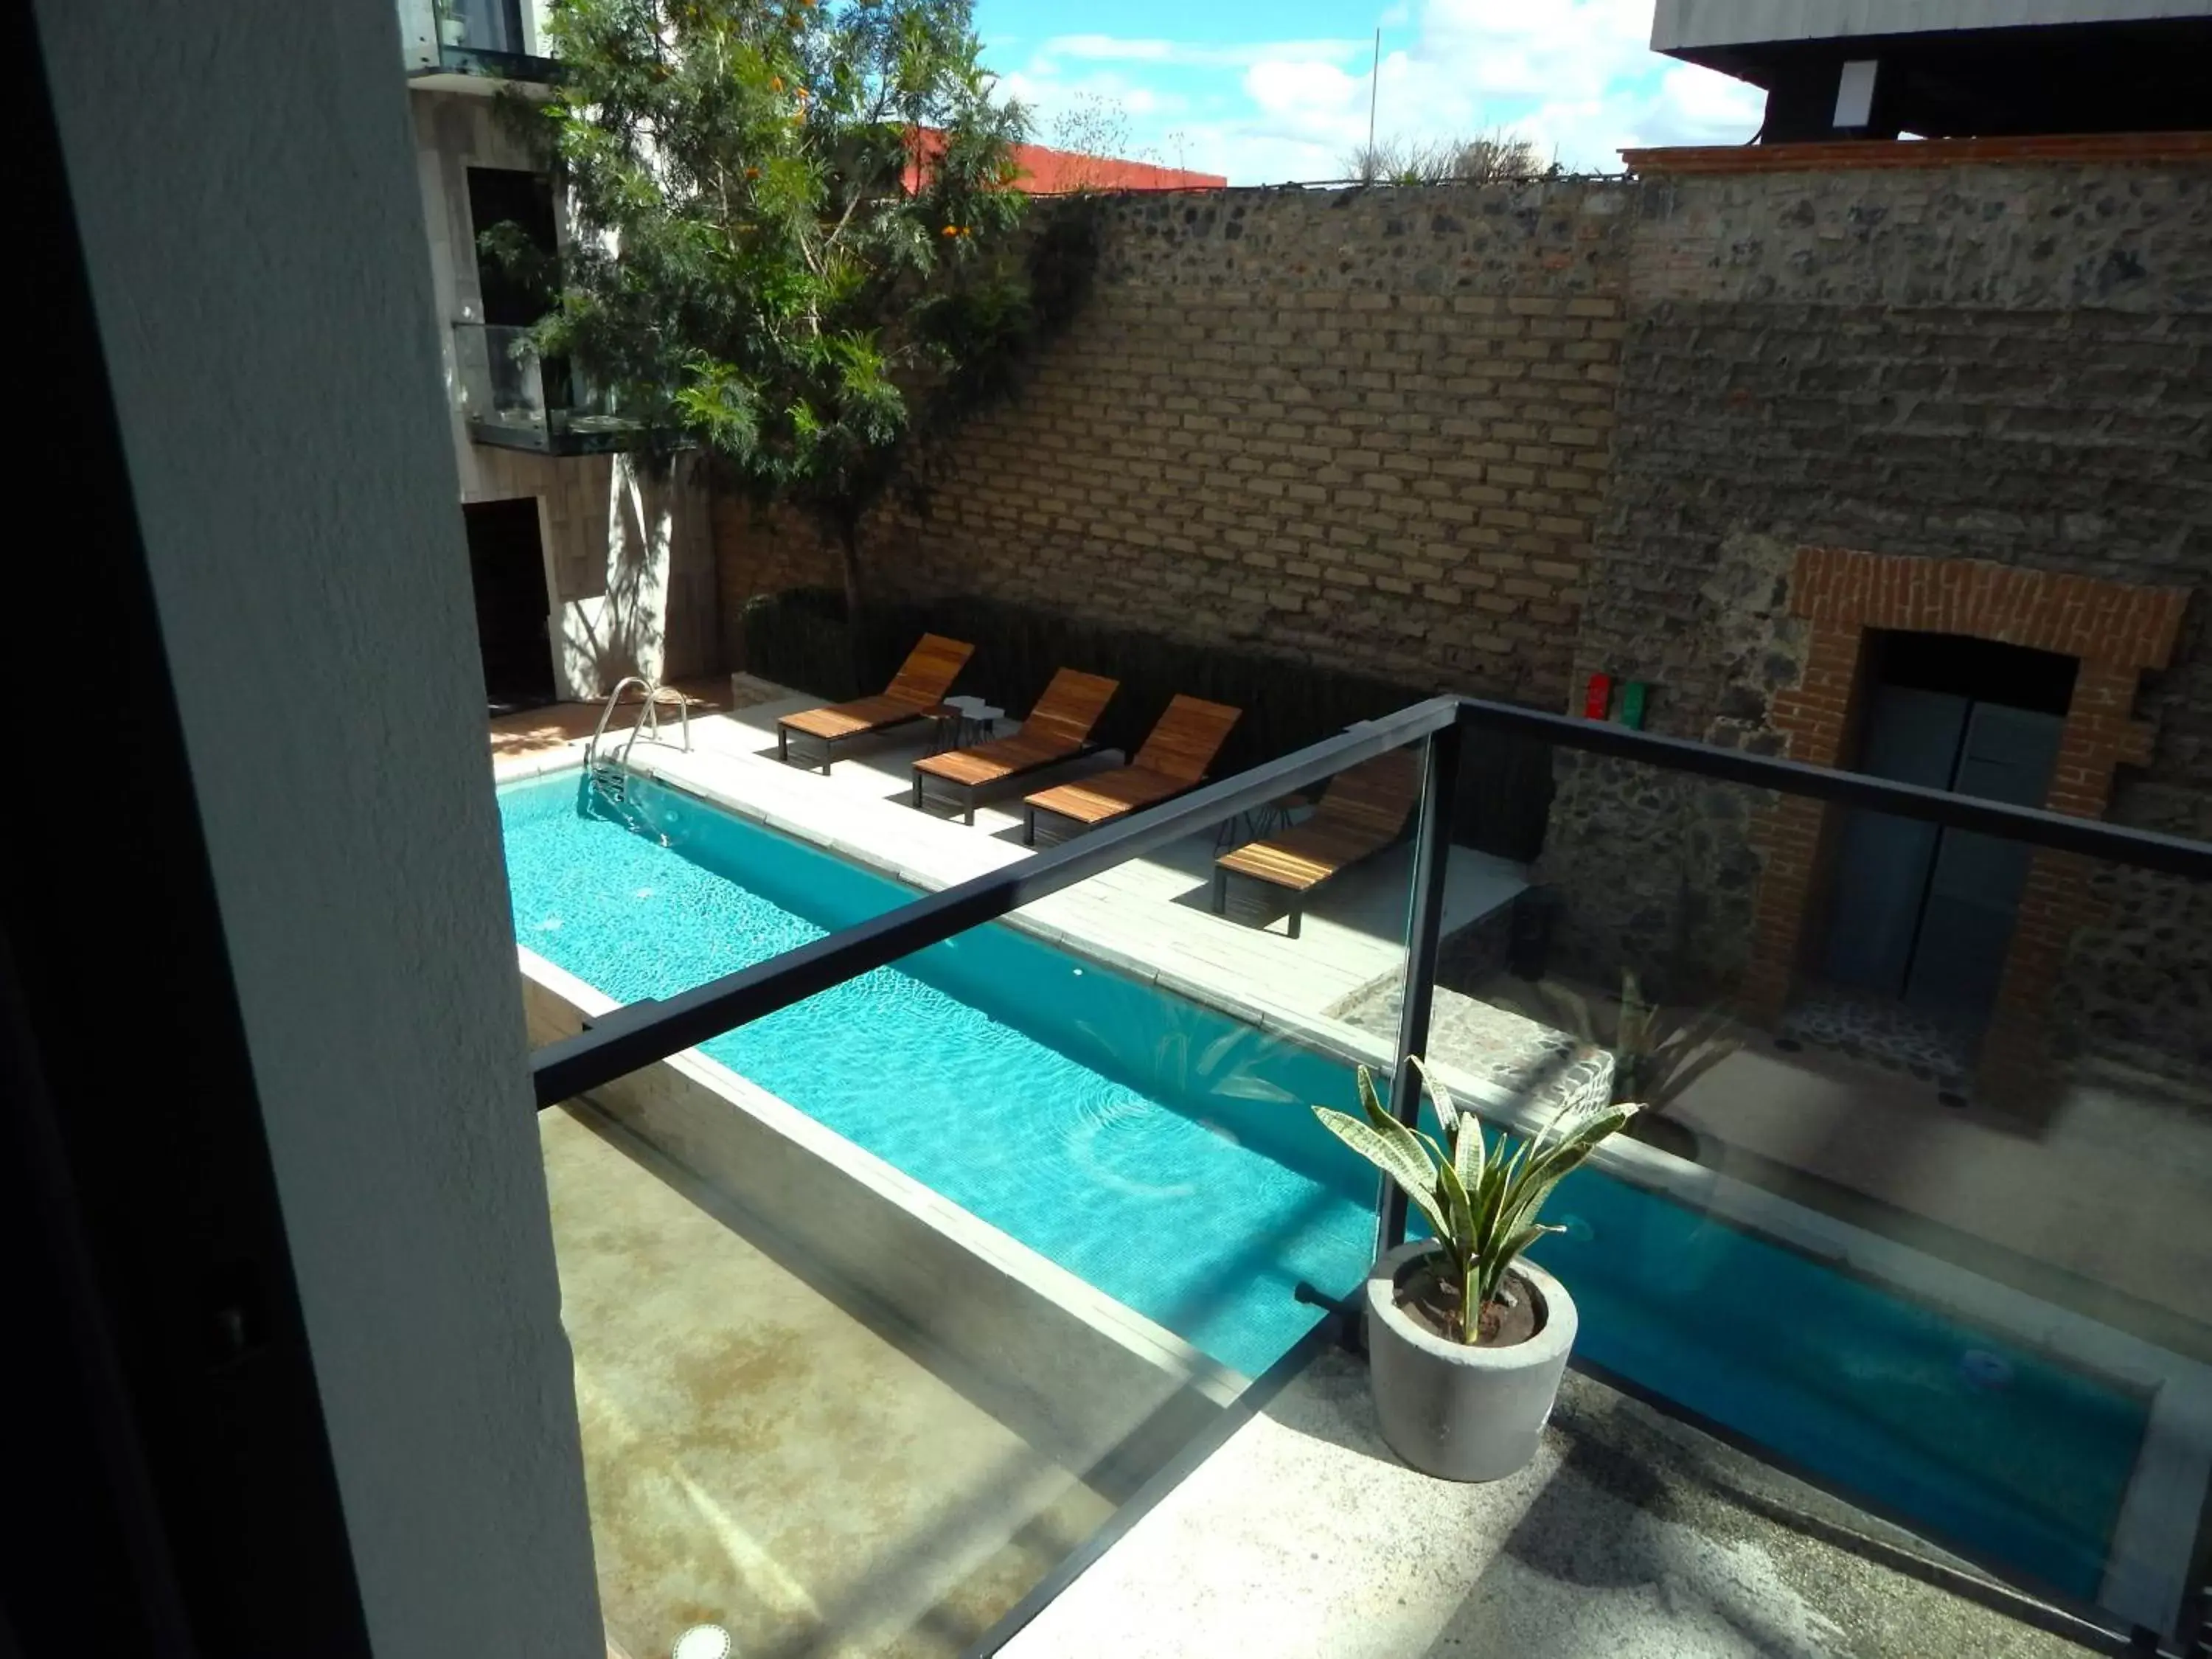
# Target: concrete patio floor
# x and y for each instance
(1631, 1536)
(760, 1457)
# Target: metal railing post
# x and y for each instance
(1423, 937)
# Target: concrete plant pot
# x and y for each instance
(1458, 1412)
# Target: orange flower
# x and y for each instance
(775, 83)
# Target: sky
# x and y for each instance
(1272, 91)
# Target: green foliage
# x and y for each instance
(1657, 1053)
(797, 638)
(791, 234)
(1481, 1196)
(1487, 158)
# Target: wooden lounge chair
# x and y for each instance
(916, 692)
(1362, 812)
(1058, 729)
(1175, 758)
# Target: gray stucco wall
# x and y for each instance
(243, 180)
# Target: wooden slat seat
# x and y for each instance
(1058, 729)
(1175, 758)
(916, 692)
(1362, 810)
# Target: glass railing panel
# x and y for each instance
(500, 381)
(1919, 1204)
(481, 25)
(885, 1303)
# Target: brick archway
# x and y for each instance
(2116, 631)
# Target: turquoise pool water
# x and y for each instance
(1165, 1153)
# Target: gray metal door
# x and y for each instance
(1882, 869)
(1926, 914)
(1973, 892)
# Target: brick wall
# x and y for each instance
(756, 554)
(1365, 428)
(2001, 363)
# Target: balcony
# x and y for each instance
(1005, 1153)
(469, 46)
(512, 398)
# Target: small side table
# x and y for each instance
(975, 720)
(1269, 818)
(944, 725)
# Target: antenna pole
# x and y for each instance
(1373, 95)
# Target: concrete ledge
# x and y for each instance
(1091, 1382)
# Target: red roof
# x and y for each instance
(1046, 172)
(1049, 172)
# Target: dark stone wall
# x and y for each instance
(2007, 362)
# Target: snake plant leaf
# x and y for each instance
(1370, 1101)
(1399, 1157)
(1447, 1108)
(1467, 1155)
(1458, 1210)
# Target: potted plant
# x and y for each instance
(1466, 1340)
(452, 23)
(1657, 1054)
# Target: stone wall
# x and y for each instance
(756, 553)
(2010, 363)
(1364, 429)
(1496, 439)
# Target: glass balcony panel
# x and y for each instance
(501, 383)
(512, 398)
(1918, 1204)
(494, 25)
(885, 1303)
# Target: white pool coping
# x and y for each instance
(2147, 1576)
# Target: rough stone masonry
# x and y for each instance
(1493, 439)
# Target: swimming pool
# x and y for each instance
(1164, 1152)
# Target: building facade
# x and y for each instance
(590, 562)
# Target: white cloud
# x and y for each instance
(1290, 86)
(1212, 55)
(1578, 77)
(1106, 47)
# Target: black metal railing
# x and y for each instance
(641, 1033)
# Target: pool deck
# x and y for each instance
(1150, 916)
(1630, 1536)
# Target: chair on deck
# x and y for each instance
(1058, 729)
(1175, 758)
(916, 692)
(1362, 810)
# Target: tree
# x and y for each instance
(790, 234)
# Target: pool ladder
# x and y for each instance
(609, 773)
